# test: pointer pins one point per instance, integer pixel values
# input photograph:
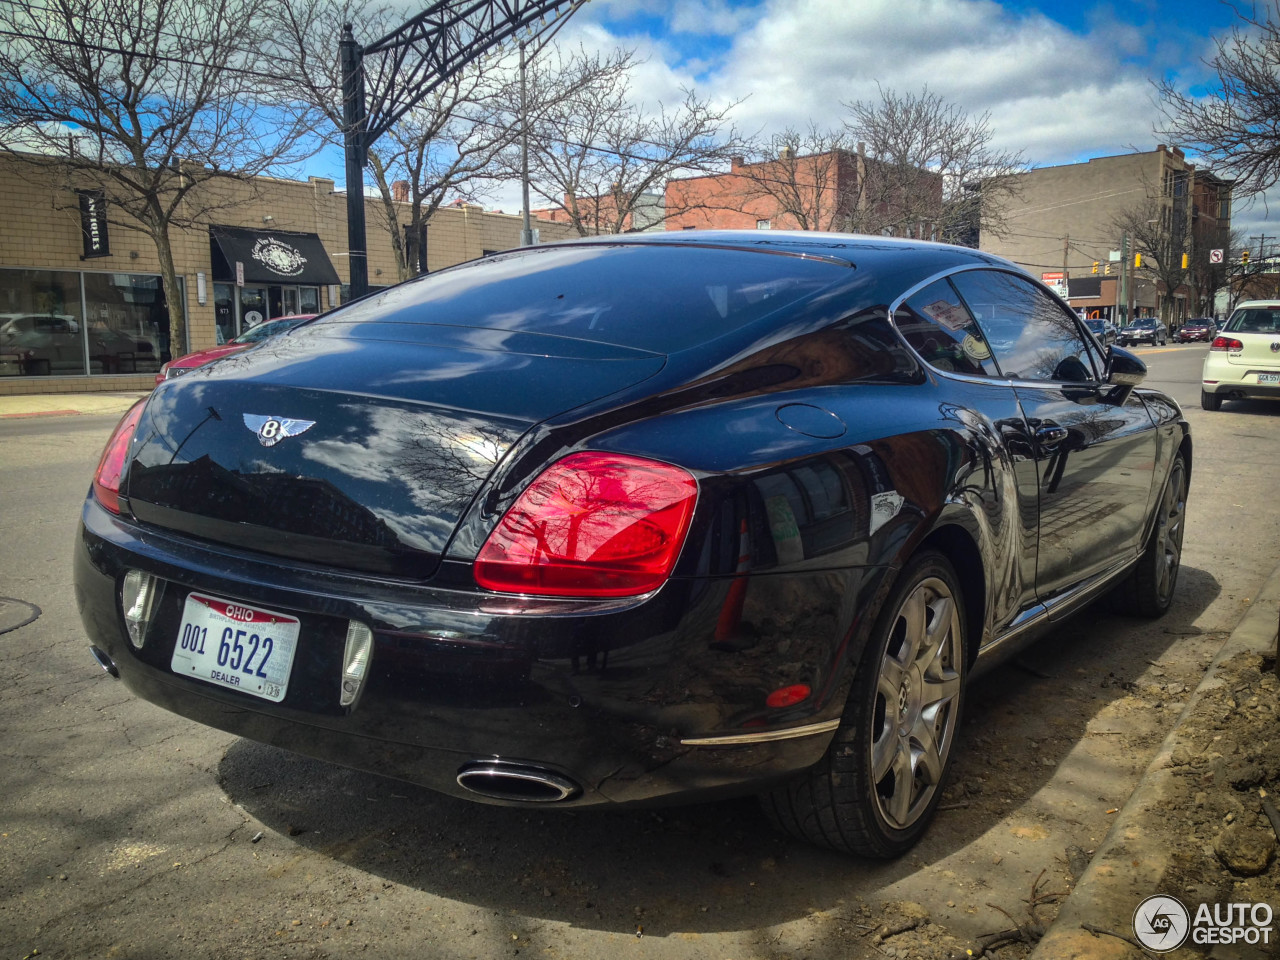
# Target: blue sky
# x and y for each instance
(1061, 82)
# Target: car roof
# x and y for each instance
(1245, 304)
(858, 250)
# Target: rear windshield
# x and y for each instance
(1254, 320)
(646, 296)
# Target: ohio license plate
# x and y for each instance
(1269, 378)
(235, 646)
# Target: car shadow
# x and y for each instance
(1256, 408)
(710, 867)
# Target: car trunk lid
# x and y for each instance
(355, 447)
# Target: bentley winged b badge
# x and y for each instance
(271, 430)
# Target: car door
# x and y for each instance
(1095, 457)
(935, 321)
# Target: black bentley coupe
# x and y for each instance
(638, 519)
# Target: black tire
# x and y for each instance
(901, 721)
(1148, 591)
(1210, 401)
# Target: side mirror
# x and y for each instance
(1124, 372)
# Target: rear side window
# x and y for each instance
(942, 330)
(647, 296)
(1254, 320)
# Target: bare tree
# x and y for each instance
(1235, 128)
(162, 100)
(446, 146)
(931, 165)
(803, 180)
(597, 157)
(1207, 277)
(1162, 240)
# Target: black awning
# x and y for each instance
(270, 256)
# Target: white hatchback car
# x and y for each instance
(1244, 358)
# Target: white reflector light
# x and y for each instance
(355, 661)
(138, 598)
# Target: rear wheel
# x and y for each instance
(1210, 401)
(875, 791)
(1148, 591)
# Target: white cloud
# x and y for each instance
(1057, 95)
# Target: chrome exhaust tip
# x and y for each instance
(516, 782)
(105, 662)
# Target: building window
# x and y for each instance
(65, 323)
(764, 224)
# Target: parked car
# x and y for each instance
(1244, 358)
(1104, 330)
(1144, 331)
(637, 519)
(1199, 328)
(263, 331)
(40, 344)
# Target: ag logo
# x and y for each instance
(271, 430)
(1161, 923)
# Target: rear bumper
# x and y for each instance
(1239, 380)
(605, 694)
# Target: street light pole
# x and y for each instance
(526, 230)
(353, 126)
(1122, 302)
(412, 61)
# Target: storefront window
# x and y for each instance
(128, 325)
(41, 327)
(253, 307)
(65, 323)
(308, 300)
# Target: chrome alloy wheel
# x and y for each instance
(1169, 530)
(917, 700)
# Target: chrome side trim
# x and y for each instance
(1052, 610)
(809, 730)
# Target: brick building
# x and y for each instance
(81, 302)
(838, 190)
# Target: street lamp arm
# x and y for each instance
(437, 43)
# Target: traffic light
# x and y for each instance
(1184, 261)
(1095, 266)
(1107, 269)
(1137, 261)
(1244, 258)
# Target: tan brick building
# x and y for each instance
(1063, 220)
(81, 303)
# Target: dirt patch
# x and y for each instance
(1212, 818)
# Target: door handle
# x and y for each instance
(1050, 434)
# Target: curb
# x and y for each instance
(1130, 863)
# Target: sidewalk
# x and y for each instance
(67, 404)
(1133, 862)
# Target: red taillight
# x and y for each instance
(592, 525)
(1226, 343)
(106, 479)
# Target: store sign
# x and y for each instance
(279, 257)
(93, 224)
(1057, 282)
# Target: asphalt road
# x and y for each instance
(128, 832)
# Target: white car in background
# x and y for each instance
(1244, 358)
